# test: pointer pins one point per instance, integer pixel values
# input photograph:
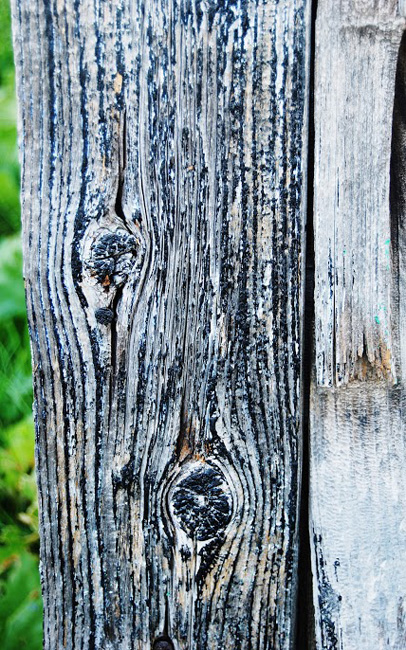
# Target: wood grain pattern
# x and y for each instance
(358, 454)
(163, 149)
(357, 47)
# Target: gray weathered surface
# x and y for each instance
(163, 172)
(357, 47)
(358, 433)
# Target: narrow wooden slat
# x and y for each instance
(163, 150)
(358, 523)
(358, 448)
(357, 45)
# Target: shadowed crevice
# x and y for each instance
(305, 610)
(398, 178)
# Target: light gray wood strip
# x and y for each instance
(357, 516)
(163, 149)
(357, 422)
(357, 45)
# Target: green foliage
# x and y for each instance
(20, 599)
(6, 51)
(15, 372)
(12, 304)
(21, 609)
(15, 365)
(9, 170)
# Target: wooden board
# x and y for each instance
(358, 455)
(163, 149)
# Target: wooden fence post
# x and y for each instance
(163, 148)
(358, 451)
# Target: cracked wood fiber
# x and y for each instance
(357, 406)
(163, 148)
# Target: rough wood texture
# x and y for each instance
(163, 173)
(357, 47)
(358, 433)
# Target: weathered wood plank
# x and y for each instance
(357, 479)
(163, 151)
(358, 506)
(357, 45)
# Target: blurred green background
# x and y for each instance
(20, 599)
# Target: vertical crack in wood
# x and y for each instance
(122, 162)
(305, 619)
(398, 200)
(118, 206)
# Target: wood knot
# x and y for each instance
(104, 315)
(201, 501)
(112, 262)
(112, 256)
(163, 644)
